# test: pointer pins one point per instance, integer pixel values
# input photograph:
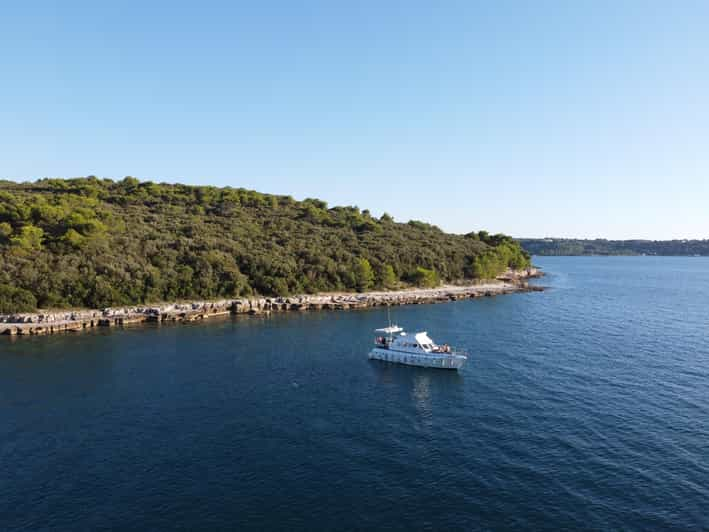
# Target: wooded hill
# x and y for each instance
(601, 246)
(90, 242)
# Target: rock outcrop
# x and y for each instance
(79, 320)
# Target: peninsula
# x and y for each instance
(93, 243)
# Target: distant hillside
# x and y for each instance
(570, 246)
(91, 242)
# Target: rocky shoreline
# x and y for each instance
(81, 320)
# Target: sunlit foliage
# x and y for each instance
(90, 242)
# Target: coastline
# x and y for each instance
(53, 322)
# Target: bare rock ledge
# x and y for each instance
(80, 320)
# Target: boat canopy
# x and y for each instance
(389, 330)
(423, 339)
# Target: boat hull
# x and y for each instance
(428, 360)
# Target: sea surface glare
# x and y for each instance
(582, 407)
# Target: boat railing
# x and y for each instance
(446, 349)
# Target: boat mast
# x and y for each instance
(391, 330)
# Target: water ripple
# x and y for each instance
(584, 406)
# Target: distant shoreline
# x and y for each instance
(53, 322)
(578, 247)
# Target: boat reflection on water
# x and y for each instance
(421, 394)
(416, 389)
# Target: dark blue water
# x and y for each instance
(586, 406)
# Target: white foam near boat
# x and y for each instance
(394, 345)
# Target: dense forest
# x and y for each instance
(570, 246)
(90, 242)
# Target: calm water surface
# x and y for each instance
(586, 406)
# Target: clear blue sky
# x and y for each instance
(570, 118)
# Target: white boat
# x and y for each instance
(394, 345)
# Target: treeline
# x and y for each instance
(570, 246)
(90, 242)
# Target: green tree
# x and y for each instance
(387, 278)
(30, 238)
(14, 299)
(184, 278)
(364, 275)
(130, 182)
(424, 277)
(5, 232)
(73, 238)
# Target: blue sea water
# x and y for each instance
(582, 407)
